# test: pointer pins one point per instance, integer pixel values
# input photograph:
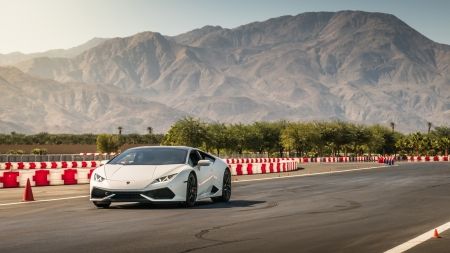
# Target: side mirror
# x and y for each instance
(202, 163)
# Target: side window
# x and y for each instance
(207, 157)
(194, 157)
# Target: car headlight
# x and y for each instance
(164, 178)
(98, 178)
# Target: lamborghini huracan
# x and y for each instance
(161, 174)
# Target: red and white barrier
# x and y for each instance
(257, 160)
(428, 158)
(48, 165)
(16, 174)
(344, 159)
(44, 177)
(238, 169)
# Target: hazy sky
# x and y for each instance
(38, 25)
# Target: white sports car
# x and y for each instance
(161, 174)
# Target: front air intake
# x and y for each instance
(214, 189)
(163, 193)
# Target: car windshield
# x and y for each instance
(151, 156)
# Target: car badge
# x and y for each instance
(128, 182)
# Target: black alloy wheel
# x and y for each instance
(191, 190)
(226, 188)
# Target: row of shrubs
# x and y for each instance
(36, 151)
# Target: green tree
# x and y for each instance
(217, 137)
(253, 138)
(267, 136)
(360, 136)
(442, 136)
(325, 143)
(300, 137)
(445, 144)
(377, 139)
(107, 143)
(404, 145)
(416, 142)
(187, 131)
(344, 136)
(237, 135)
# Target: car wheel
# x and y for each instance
(226, 188)
(191, 190)
(102, 204)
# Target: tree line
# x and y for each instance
(88, 139)
(317, 138)
(312, 139)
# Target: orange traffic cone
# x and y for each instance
(28, 193)
(436, 234)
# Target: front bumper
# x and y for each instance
(157, 195)
(140, 191)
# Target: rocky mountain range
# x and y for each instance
(348, 65)
(16, 57)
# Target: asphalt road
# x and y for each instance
(360, 211)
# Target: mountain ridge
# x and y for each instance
(348, 65)
(16, 57)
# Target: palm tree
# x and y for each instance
(429, 127)
(393, 126)
(150, 130)
(120, 130)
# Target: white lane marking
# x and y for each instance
(418, 240)
(312, 174)
(43, 200)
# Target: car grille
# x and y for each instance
(127, 196)
(163, 193)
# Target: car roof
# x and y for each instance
(172, 147)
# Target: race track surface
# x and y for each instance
(361, 211)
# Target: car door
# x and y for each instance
(202, 173)
(215, 173)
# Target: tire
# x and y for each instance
(191, 190)
(102, 204)
(226, 188)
